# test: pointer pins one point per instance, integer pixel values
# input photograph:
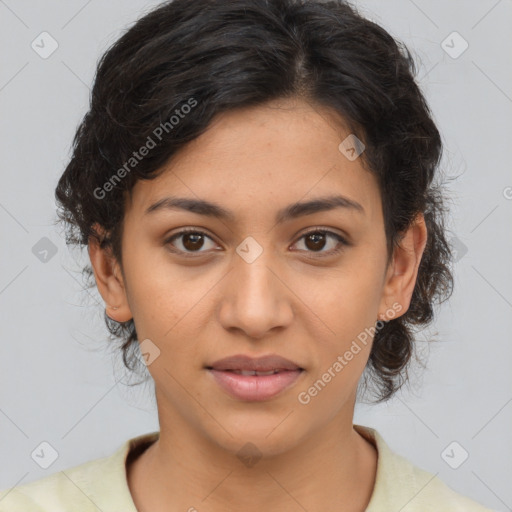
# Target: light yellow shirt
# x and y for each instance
(101, 485)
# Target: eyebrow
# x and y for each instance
(292, 211)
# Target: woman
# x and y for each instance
(255, 182)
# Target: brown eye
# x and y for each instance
(192, 241)
(316, 241)
(189, 242)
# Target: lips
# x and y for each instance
(241, 364)
(255, 379)
(251, 372)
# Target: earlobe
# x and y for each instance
(403, 270)
(109, 280)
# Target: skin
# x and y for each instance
(288, 301)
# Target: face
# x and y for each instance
(307, 284)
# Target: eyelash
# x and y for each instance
(342, 241)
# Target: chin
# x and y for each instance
(266, 434)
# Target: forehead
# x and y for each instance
(262, 159)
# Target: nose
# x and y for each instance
(255, 297)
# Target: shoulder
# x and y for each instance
(427, 492)
(99, 484)
(403, 486)
(78, 487)
(54, 492)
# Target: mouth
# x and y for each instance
(242, 363)
(250, 379)
(255, 372)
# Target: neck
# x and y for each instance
(332, 468)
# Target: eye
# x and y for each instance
(317, 239)
(193, 239)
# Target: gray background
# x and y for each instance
(59, 381)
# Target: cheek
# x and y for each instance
(160, 312)
(168, 306)
(347, 306)
(157, 294)
(349, 299)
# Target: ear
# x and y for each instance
(109, 279)
(403, 270)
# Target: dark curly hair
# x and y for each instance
(210, 56)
